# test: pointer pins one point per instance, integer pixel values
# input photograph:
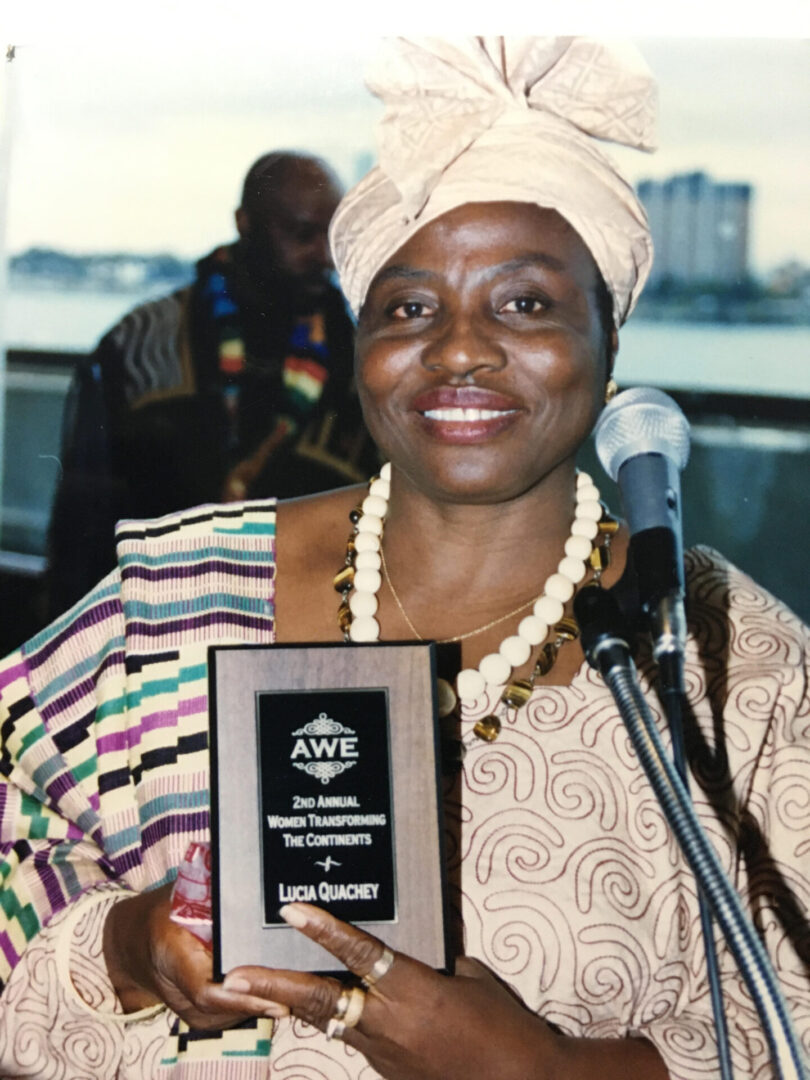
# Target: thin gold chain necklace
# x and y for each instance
(457, 637)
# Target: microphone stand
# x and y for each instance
(605, 633)
(651, 590)
(670, 636)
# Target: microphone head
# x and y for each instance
(641, 420)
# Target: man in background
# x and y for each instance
(238, 386)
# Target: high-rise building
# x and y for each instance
(700, 228)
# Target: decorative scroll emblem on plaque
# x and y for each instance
(327, 747)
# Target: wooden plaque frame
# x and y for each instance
(399, 679)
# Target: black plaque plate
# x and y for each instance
(325, 787)
(326, 802)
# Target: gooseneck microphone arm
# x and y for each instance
(642, 440)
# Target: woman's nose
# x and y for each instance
(462, 347)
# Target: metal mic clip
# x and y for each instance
(605, 633)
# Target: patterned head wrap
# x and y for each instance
(489, 119)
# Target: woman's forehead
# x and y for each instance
(493, 233)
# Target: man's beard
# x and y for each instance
(302, 293)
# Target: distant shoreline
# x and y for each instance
(707, 308)
(41, 283)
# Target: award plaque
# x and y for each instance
(325, 788)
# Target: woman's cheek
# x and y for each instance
(566, 366)
(380, 371)
(375, 395)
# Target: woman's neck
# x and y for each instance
(453, 564)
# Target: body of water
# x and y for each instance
(702, 356)
(745, 359)
(73, 320)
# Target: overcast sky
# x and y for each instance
(134, 133)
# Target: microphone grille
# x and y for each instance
(641, 420)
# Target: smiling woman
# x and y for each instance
(492, 258)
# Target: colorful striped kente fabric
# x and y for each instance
(105, 774)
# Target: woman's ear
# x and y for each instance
(613, 351)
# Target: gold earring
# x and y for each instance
(610, 390)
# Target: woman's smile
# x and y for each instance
(465, 414)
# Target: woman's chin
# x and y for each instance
(468, 481)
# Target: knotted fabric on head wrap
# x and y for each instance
(490, 119)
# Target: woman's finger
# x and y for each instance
(310, 997)
(363, 955)
(240, 996)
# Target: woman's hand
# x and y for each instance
(419, 1025)
(151, 959)
(416, 1024)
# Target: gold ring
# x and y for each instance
(342, 1005)
(379, 968)
(354, 1009)
(335, 1028)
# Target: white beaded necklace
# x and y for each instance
(360, 581)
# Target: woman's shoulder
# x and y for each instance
(198, 523)
(725, 603)
(204, 572)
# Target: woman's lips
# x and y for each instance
(465, 414)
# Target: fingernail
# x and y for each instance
(293, 915)
(236, 984)
(277, 1012)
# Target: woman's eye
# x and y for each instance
(410, 309)
(524, 305)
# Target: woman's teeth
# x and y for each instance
(465, 415)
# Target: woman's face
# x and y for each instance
(481, 358)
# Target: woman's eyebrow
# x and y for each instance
(523, 262)
(410, 272)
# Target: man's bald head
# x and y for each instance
(288, 200)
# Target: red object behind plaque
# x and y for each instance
(191, 896)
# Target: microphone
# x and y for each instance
(642, 441)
